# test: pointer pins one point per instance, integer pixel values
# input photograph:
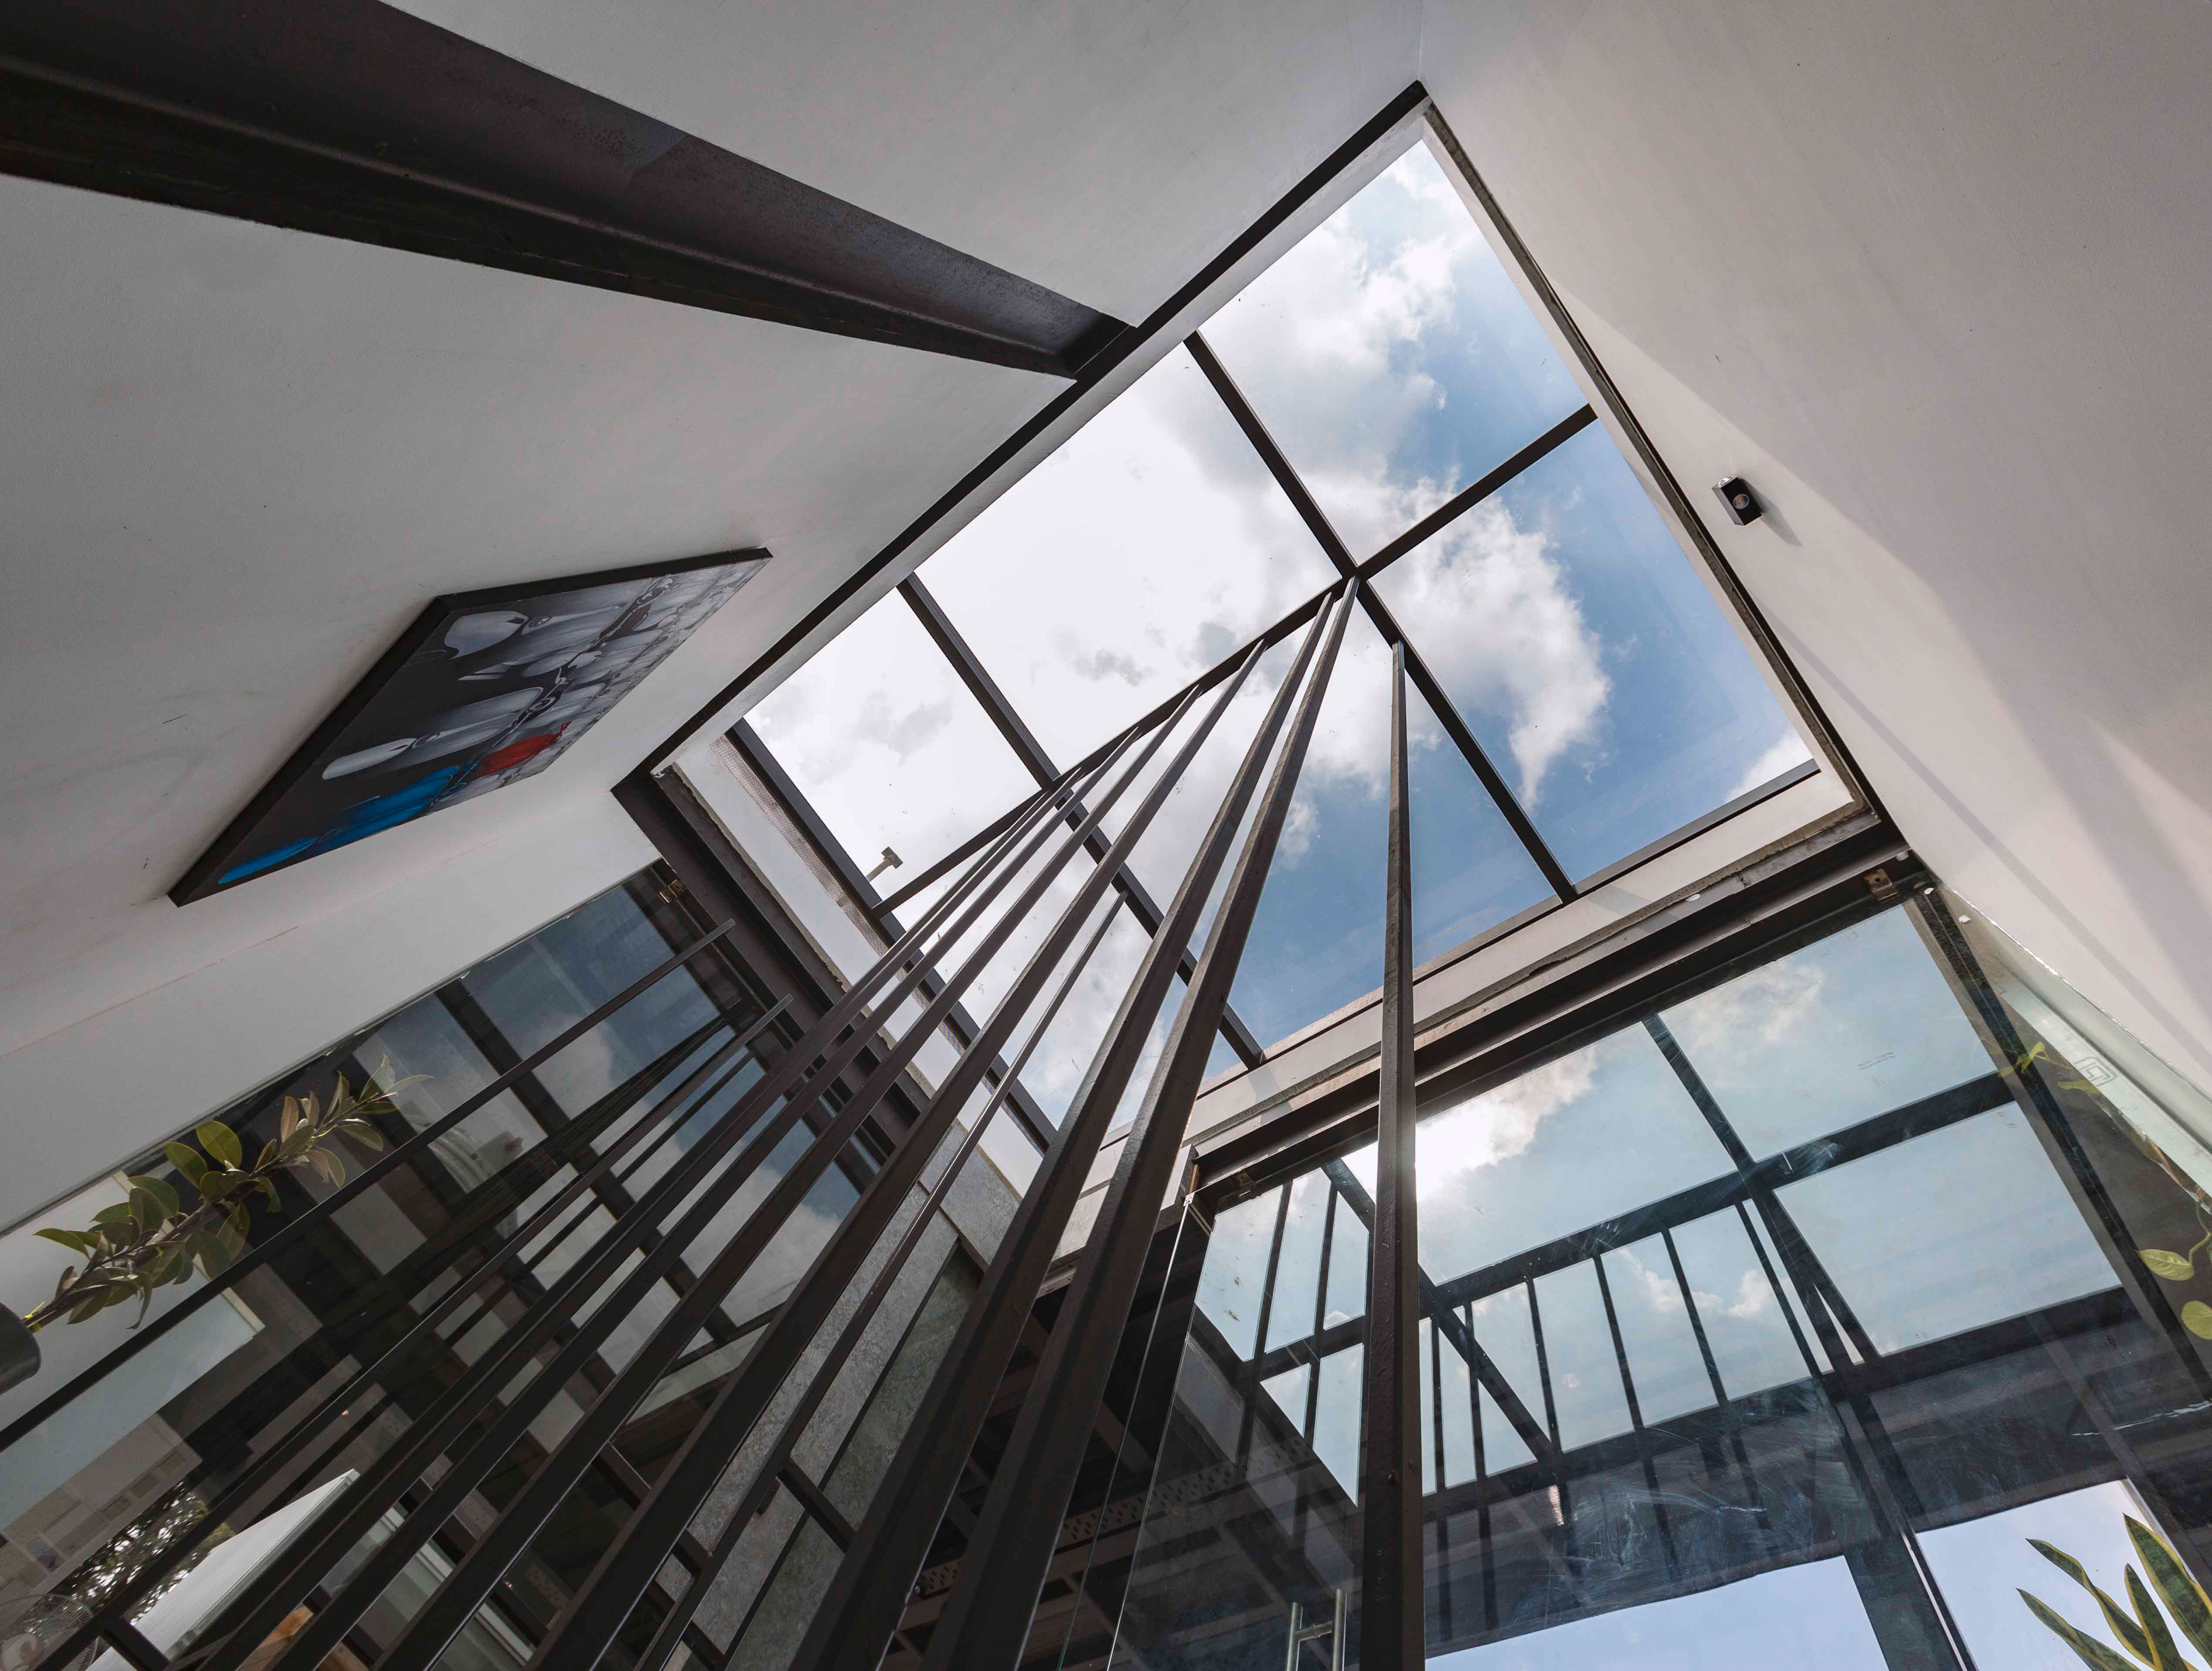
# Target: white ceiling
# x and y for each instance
(1933, 277)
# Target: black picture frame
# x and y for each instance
(483, 689)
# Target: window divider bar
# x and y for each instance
(986, 1623)
(1478, 491)
(1391, 1576)
(1339, 556)
(1002, 712)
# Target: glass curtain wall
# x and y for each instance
(159, 1465)
(1382, 399)
(1838, 1314)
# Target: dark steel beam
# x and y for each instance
(986, 1626)
(1391, 1576)
(1442, 1310)
(354, 119)
(795, 805)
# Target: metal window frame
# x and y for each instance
(1411, 110)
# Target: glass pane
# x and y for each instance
(1391, 355)
(1144, 550)
(1504, 1330)
(1664, 1359)
(1579, 1360)
(1588, 659)
(888, 745)
(1316, 945)
(1977, 1202)
(1849, 1027)
(1565, 1147)
(1251, 1533)
(1746, 1324)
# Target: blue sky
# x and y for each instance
(1395, 360)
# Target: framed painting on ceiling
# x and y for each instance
(484, 690)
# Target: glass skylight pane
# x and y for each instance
(1501, 1326)
(1588, 659)
(1391, 357)
(1746, 1322)
(1316, 945)
(1585, 1371)
(1663, 1357)
(1149, 546)
(1847, 1028)
(1565, 1147)
(1964, 1226)
(880, 735)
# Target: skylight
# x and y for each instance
(1577, 699)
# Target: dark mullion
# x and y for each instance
(1473, 494)
(1778, 1221)
(1390, 1459)
(1002, 713)
(1339, 555)
(542, 1106)
(973, 674)
(1455, 727)
(1635, 1410)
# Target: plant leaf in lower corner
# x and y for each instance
(2196, 1318)
(2164, 1655)
(2092, 1653)
(2191, 1608)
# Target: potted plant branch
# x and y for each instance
(152, 1239)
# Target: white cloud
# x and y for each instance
(1500, 628)
(1500, 1124)
(1787, 751)
(1759, 1010)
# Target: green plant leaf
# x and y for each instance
(70, 1239)
(235, 1225)
(2129, 1633)
(217, 1184)
(2170, 1265)
(289, 1122)
(118, 1214)
(2164, 1655)
(2191, 1608)
(2093, 1653)
(328, 1167)
(2196, 1318)
(268, 1189)
(163, 1191)
(219, 1141)
(268, 1154)
(186, 1159)
(146, 1210)
(211, 1253)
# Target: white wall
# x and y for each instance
(1935, 279)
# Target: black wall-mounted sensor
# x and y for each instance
(1743, 505)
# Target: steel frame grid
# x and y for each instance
(1412, 109)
